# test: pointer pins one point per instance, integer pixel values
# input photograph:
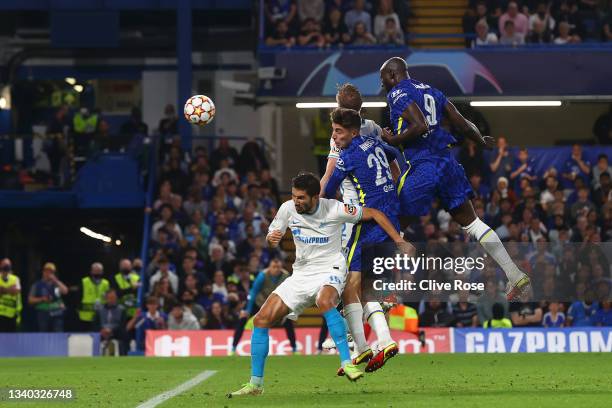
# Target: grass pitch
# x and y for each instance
(456, 380)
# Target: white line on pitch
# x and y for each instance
(158, 399)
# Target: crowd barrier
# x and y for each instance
(49, 344)
(437, 340)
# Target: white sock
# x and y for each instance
(375, 316)
(353, 313)
(494, 247)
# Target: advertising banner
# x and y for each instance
(166, 343)
(49, 344)
(482, 72)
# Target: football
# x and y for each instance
(199, 110)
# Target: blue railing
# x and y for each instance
(146, 225)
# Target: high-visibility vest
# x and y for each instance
(9, 304)
(85, 125)
(404, 318)
(92, 294)
(504, 323)
(128, 300)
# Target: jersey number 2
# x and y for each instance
(379, 159)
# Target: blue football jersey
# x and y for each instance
(432, 102)
(365, 163)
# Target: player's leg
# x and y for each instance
(288, 325)
(272, 311)
(455, 194)
(327, 300)
(238, 331)
(353, 313)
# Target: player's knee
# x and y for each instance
(325, 304)
(262, 320)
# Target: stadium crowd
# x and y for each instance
(514, 23)
(333, 23)
(207, 247)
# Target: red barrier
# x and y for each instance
(166, 343)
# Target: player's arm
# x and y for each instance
(396, 160)
(340, 172)
(416, 126)
(332, 159)
(371, 214)
(278, 226)
(465, 127)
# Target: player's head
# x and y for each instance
(392, 72)
(349, 97)
(345, 126)
(305, 189)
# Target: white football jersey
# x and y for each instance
(368, 128)
(317, 236)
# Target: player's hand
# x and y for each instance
(243, 314)
(406, 247)
(387, 135)
(489, 142)
(274, 237)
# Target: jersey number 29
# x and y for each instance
(379, 159)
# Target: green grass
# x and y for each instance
(470, 380)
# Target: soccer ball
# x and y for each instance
(199, 110)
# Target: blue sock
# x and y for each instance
(337, 330)
(259, 352)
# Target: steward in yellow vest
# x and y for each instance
(94, 287)
(127, 282)
(10, 298)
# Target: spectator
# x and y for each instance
(602, 128)
(285, 10)
(520, 25)
(310, 34)
(498, 319)
(217, 319)
(553, 318)
(435, 314)
(510, 36)
(127, 283)
(583, 206)
(10, 297)
(280, 35)
(335, 30)
(46, 297)
(524, 168)
(180, 318)
(564, 36)
(542, 15)
(603, 316)
(548, 196)
(93, 288)
(391, 35)
(603, 194)
(607, 24)
(381, 23)
(567, 11)
(110, 321)
(526, 314)
(252, 157)
(474, 15)
(164, 272)
(358, 15)
(218, 287)
(503, 163)
(465, 313)
(152, 319)
(195, 202)
(313, 9)
(207, 297)
(224, 151)
(582, 312)
(134, 125)
(602, 166)
(361, 36)
(164, 293)
(539, 34)
(224, 171)
(483, 36)
(167, 223)
(169, 124)
(188, 298)
(485, 303)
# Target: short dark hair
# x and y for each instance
(348, 96)
(347, 118)
(152, 300)
(308, 182)
(498, 311)
(602, 156)
(509, 23)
